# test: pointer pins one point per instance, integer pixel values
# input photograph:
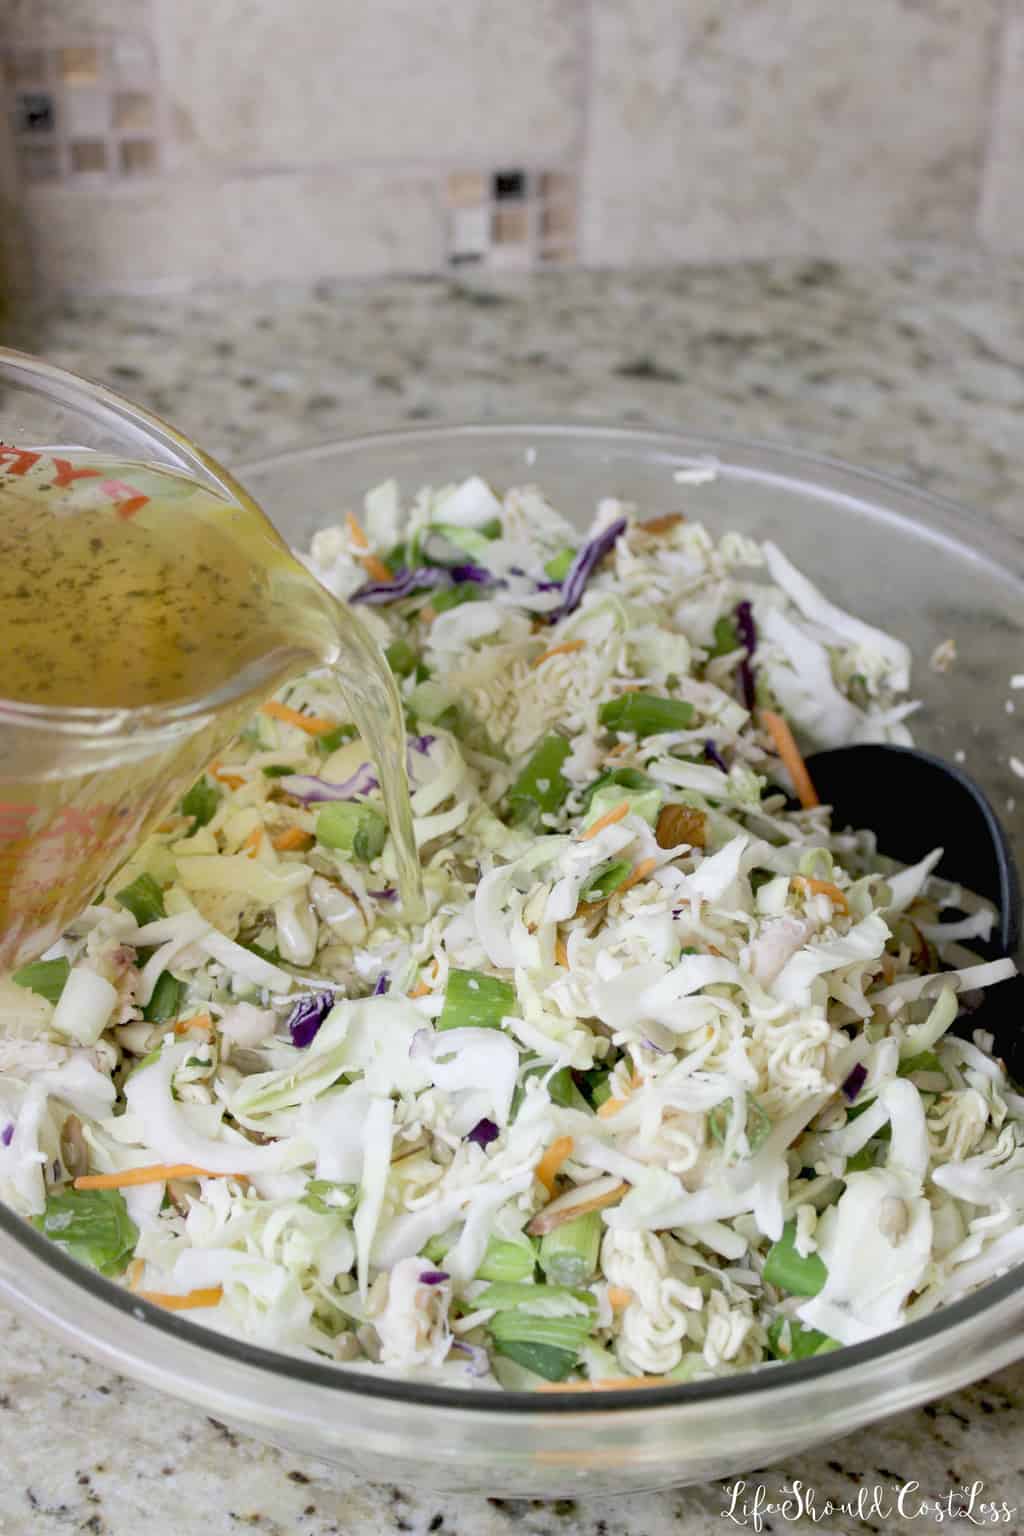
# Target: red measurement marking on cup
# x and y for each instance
(66, 472)
(17, 461)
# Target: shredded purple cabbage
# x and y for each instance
(483, 1133)
(386, 893)
(434, 1277)
(422, 744)
(583, 567)
(382, 983)
(306, 1017)
(470, 572)
(745, 626)
(478, 1362)
(854, 1082)
(713, 755)
(403, 584)
(7, 1134)
(310, 789)
(747, 631)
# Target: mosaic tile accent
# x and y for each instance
(513, 217)
(86, 108)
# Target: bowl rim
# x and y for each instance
(757, 1382)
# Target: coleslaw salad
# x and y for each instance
(665, 1087)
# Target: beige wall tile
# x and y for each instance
(309, 224)
(258, 83)
(1001, 217)
(153, 234)
(177, 231)
(753, 129)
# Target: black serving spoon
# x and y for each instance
(914, 802)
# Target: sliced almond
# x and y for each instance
(662, 524)
(596, 1196)
(678, 824)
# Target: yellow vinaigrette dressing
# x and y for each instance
(143, 617)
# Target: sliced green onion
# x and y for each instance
(350, 828)
(277, 770)
(473, 1000)
(540, 788)
(330, 741)
(507, 1297)
(568, 1255)
(201, 802)
(46, 977)
(788, 1339)
(165, 1000)
(605, 879)
(799, 1274)
(558, 566)
(642, 802)
(542, 1359)
(625, 778)
(924, 1061)
(727, 638)
(549, 1346)
(401, 658)
(437, 1246)
(473, 541)
(144, 900)
(504, 1261)
(758, 1124)
(93, 1225)
(328, 1198)
(645, 714)
(452, 597)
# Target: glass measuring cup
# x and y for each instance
(82, 782)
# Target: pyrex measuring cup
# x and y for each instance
(84, 778)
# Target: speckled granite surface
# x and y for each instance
(917, 368)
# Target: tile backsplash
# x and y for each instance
(152, 144)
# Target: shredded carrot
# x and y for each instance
(373, 566)
(209, 1296)
(420, 989)
(565, 649)
(252, 842)
(823, 888)
(156, 1173)
(607, 1384)
(637, 873)
(136, 1270)
(355, 531)
(197, 1021)
(619, 1297)
(609, 819)
(552, 1160)
(778, 729)
(561, 952)
(611, 1107)
(294, 840)
(232, 780)
(619, 749)
(313, 725)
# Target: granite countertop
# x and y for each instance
(916, 367)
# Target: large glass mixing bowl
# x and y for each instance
(911, 562)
